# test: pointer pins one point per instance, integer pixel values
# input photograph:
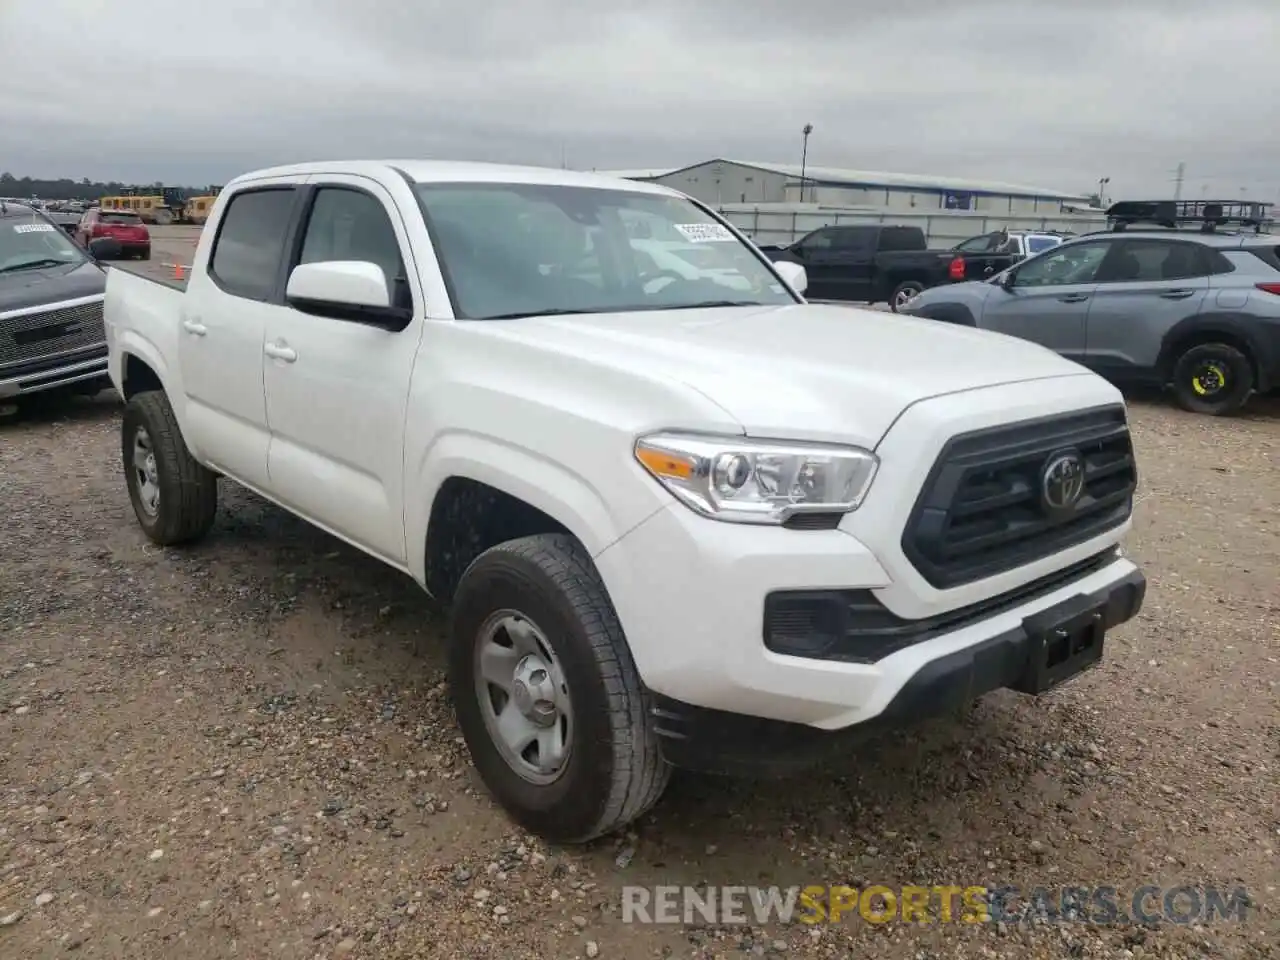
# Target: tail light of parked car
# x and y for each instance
(1269, 288)
(956, 270)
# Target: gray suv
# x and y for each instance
(1197, 310)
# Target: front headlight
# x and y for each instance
(749, 481)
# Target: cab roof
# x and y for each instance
(455, 171)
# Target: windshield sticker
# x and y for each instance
(33, 228)
(704, 232)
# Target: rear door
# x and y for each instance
(337, 389)
(223, 323)
(1144, 289)
(1048, 301)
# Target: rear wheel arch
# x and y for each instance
(1197, 331)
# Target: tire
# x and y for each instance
(904, 292)
(613, 770)
(1212, 378)
(145, 254)
(187, 492)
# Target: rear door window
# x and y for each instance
(250, 244)
(853, 240)
(1151, 260)
(902, 238)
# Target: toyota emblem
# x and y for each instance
(1062, 483)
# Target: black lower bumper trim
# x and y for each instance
(714, 741)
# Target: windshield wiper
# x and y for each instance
(536, 313)
(637, 308)
(45, 262)
(717, 303)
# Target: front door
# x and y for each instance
(1048, 299)
(1144, 290)
(821, 262)
(221, 325)
(337, 390)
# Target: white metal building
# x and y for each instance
(718, 182)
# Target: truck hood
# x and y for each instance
(804, 371)
(32, 288)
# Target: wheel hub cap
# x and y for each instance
(523, 697)
(146, 473)
(534, 695)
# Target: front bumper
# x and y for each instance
(691, 595)
(721, 742)
(52, 373)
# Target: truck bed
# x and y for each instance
(148, 310)
(137, 270)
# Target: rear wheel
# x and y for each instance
(547, 695)
(174, 497)
(903, 293)
(1213, 379)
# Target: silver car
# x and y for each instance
(1194, 310)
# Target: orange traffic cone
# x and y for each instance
(177, 271)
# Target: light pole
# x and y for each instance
(804, 158)
(1102, 187)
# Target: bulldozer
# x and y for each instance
(163, 205)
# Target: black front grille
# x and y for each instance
(981, 511)
(49, 333)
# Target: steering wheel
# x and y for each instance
(662, 275)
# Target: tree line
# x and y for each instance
(85, 189)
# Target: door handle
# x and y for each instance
(195, 328)
(1074, 297)
(1176, 294)
(278, 351)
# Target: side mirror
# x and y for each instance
(105, 248)
(352, 290)
(1006, 279)
(793, 274)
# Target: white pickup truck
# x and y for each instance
(680, 520)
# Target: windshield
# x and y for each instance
(122, 219)
(515, 249)
(34, 242)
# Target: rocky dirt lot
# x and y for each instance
(244, 750)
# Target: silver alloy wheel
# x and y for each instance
(524, 697)
(905, 296)
(145, 474)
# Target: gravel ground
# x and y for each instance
(243, 749)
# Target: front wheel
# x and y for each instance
(1213, 379)
(547, 695)
(174, 497)
(903, 293)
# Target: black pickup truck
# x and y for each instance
(875, 263)
(868, 263)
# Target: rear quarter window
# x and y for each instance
(1270, 255)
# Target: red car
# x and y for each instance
(127, 229)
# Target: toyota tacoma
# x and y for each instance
(688, 520)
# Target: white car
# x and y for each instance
(685, 526)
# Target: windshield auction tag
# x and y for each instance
(704, 232)
(33, 228)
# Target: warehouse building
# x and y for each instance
(720, 181)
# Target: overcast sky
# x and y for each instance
(1054, 94)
